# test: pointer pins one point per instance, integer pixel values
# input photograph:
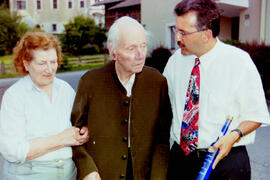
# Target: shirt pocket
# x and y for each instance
(217, 110)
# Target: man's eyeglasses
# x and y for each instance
(180, 34)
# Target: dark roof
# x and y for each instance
(106, 2)
(126, 3)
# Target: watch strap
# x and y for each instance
(238, 131)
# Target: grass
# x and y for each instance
(7, 59)
(8, 75)
(82, 67)
(87, 56)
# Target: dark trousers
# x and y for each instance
(129, 173)
(235, 166)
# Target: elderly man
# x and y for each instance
(127, 110)
(209, 80)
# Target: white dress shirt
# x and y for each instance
(128, 86)
(229, 85)
(27, 113)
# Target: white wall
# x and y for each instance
(157, 15)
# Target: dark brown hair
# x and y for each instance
(208, 14)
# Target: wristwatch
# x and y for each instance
(239, 132)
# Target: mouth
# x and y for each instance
(140, 64)
(48, 76)
(181, 45)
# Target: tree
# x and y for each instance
(11, 30)
(4, 2)
(81, 35)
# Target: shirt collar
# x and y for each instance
(210, 55)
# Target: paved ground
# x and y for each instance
(258, 152)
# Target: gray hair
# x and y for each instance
(113, 34)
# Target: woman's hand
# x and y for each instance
(84, 135)
(74, 136)
(69, 137)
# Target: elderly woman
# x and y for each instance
(35, 128)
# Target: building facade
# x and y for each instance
(49, 15)
(97, 12)
(243, 20)
(115, 9)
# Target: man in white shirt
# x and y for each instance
(229, 84)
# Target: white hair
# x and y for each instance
(113, 34)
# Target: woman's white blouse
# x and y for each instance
(27, 113)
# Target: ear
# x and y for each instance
(207, 35)
(26, 64)
(112, 51)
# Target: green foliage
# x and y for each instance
(82, 34)
(159, 58)
(11, 30)
(65, 66)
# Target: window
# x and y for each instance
(54, 27)
(172, 43)
(70, 4)
(81, 4)
(21, 4)
(38, 4)
(54, 4)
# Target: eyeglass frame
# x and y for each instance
(183, 34)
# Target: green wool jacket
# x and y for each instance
(102, 105)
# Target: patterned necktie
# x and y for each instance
(189, 130)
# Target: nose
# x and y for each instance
(49, 68)
(140, 53)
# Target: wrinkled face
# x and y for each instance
(131, 50)
(191, 42)
(43, 67)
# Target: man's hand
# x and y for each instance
(92, 176)
(224, 144)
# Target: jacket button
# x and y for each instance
(125, 139)
(126, 103)
(124, 157)
(122, 176)
(125, 121)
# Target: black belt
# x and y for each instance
(200, 153)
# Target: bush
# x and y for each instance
(65, 66)
(82, 35)
(10, 30)
(158, 58)
(90, 49)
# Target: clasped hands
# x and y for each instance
(75, 136)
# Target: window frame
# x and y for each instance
(23, 4)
